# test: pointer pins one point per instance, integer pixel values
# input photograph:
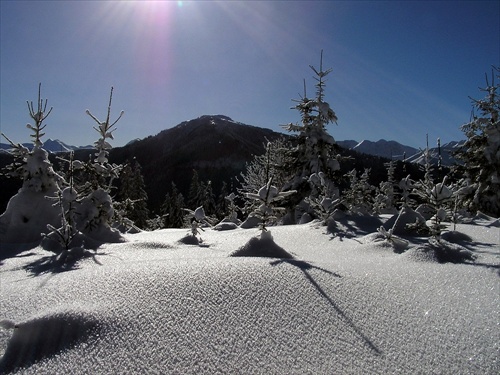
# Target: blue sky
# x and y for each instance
(400, 69)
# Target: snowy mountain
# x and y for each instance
(446, 154)
(50, 145)
(382, 148)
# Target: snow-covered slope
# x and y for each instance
(343, 306)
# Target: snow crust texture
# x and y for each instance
(341, 306)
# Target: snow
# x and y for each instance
(341, 305)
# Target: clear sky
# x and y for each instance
(400, 69)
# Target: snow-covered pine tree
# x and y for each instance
(132, 194)
(66, 240)
(261, 168)
(437, 197)
(406, 186)
(358, 198)
(232, 208)
(422, 187)
(480, 154)
(385, 199)
(321, 202)
(34, 167)
(267, 196)
(95, 213)
(29, 212)
(314, 149)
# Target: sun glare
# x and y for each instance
(147, 27)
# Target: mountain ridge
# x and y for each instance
(215, 146)
(389, 149)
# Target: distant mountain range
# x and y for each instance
(49, 145)
(218, 148)
(396, 151)
(383, 148)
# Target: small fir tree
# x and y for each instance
(385, 199)
(34, 167)
(358, 197)
(438, 197)
(267, 196)
(97, 207)
(262, 168)
(323, 202)
(29, 212)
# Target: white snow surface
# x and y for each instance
(344, 306)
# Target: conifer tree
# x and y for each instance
(385, 200)
(194, 198)
(208, 198)
(34, 167)
(97, 207)
(262, 167)
(358, 197)
(315, 149)
(172, 209)
(268, 196)
(222, 204)
(29, 212)
(480, 154)
(132, 194)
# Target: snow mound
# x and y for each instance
(226, 225)
(441, 252)
(399, 222)
(396, 244)
(26, 217)
(262, 247)
(190, 239)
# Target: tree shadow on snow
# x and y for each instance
(15, 251)
(305, 267)
(57, 264)
(45, 337)
(353, 226)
